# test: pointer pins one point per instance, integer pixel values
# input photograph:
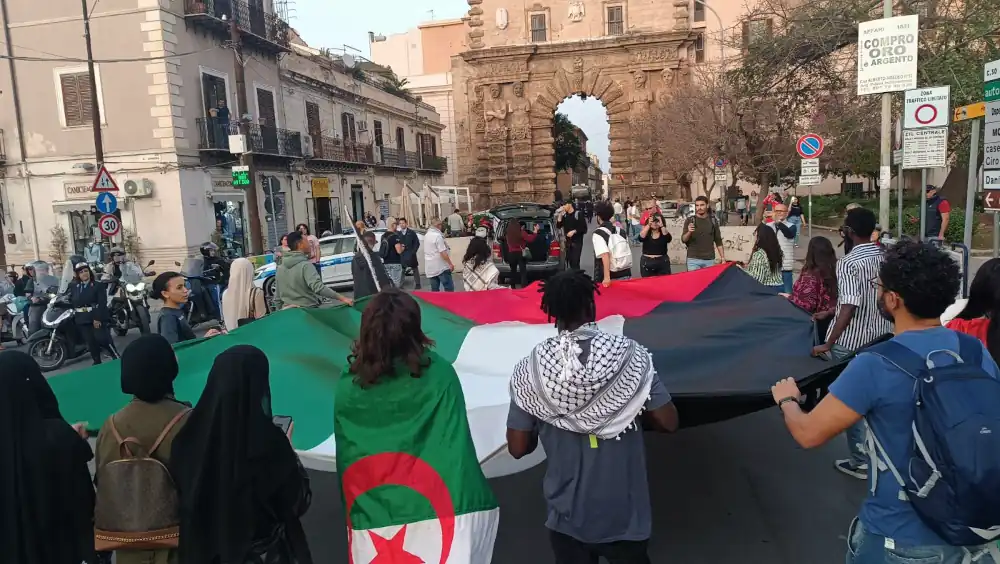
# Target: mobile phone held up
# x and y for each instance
(283, 422)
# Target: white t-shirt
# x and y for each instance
(434, 244)
(618, 208)
(633, 214)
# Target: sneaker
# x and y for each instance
(859, 471)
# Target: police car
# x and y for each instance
(336, 254)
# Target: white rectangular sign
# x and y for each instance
(991, 156)
(991, 71)
(812, 180)
(927, 107)
(810, 163)
(925, 148)
(887, 55)
(991, 180)
(993, 111)
(721, 177)
(992, 133)
(897, 156)
(809, 170)
(885, 177)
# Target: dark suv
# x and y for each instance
(545, 251)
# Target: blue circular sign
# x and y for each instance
(809, 146)
(106, 203)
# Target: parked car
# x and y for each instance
(544, 251)
(669, 208)
(336, 253)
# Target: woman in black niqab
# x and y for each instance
(241, 487)
(46, 497)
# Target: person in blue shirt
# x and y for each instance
(915, 285)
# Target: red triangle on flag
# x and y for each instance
(104, 182)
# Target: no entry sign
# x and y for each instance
(927, 107)
(809, 146)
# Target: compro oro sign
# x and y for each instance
(927, 107)
(887, 55)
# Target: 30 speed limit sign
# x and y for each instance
(109, 225)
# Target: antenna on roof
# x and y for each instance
(348, 61)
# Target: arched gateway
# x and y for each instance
(506, 96)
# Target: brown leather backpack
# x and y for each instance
(137, 504)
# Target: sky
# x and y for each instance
(334, 24)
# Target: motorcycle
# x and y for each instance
(59, 340)
(129, 305)
(205, 286)
(13, 325)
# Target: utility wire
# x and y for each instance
(63, 59)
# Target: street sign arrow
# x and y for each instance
(103, 182)
(106, 203)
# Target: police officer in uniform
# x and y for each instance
(89, 300)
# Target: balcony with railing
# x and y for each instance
(335, 149)
(433, 163)
(261, 29)
(213, 135)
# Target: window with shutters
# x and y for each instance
(313, 124)
(75, 98)
(757, 30)
(428, 144)
(699, 48)
(538, 28)
(616, 20)
(348, 128)
(377, 126)
(400, 139)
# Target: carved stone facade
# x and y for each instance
(509, 95)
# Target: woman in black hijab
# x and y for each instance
(46, 498)
(241, 486)
(149, 368)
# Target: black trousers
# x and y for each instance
(571, 551)
(414, 268)
(517, 263)
(573, 251)
(659, 266)
(97, 340)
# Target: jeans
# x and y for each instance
(634, 229)
(796, 220)
(864, 547)
(786, 279)
(568, 550)
(395, 273)
(442, 281)
(698, 264)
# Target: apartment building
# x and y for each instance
(167, 95)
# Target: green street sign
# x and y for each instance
(991, 91)
(241, 176)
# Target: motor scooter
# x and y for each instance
(13, 325)
(59, 340)
(129, 305)
(205, 286)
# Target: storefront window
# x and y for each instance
(83, 230)
(231, 214)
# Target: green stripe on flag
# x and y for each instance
(307, 350)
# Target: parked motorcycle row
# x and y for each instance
(49, 329)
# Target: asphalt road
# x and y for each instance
(736, 491)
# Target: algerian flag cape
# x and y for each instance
(413, 488)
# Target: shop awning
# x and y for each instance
(72, 205)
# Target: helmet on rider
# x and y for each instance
(209, 250)
(118, 255)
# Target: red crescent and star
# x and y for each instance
(399, 469)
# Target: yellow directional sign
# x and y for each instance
(972, 111)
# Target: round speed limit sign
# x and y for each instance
(109, 225)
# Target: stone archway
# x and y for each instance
(505, 100)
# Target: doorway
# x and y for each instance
(217, 117)
(324, 215)
(357, 202)
(232, 215)
(268, 121)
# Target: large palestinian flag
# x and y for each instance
(719, 340)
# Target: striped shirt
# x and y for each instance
(760, 269)
(856, 274)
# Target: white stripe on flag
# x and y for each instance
(475, 534)
(484, 365)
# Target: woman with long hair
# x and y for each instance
(397, 400)
(765, 258)
(242, 300)
(816, 289)
(518, 238)
(242, 489)
(981, 315)
(478, 271)
(46, 496)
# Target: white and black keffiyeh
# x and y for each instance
(602, 397)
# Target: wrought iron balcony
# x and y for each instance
(433, 163)
(335, 149)
(213, 135)
(260, 28)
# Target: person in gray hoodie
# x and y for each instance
(298, 284)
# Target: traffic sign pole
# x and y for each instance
(970, 194)
(923, 208)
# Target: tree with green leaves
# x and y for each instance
(569, 150)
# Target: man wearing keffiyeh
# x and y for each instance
(584, 393)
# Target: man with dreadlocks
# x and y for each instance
(582, 393)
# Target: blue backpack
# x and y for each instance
(954, 472)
